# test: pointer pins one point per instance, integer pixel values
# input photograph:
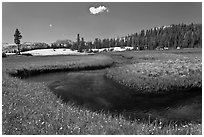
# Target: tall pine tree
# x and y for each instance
(17, 37)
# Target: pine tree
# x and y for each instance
(82, 45)
(78, 39)
(96, 43)
(17, 37)
(78, 42)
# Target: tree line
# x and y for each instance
(173, 36)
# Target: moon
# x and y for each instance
(50, 25)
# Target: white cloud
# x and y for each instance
(98, 10)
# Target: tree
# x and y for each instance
(78, 42)
(82, 45)
(17, 37)
(99, 44)
(96, 43)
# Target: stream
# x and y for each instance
(91, 89)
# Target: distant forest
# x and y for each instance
(173, 36)
(165, 37)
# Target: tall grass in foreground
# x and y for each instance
(31, 108)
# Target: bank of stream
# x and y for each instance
(91, 89)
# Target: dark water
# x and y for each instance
(92, 90)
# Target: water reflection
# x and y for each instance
(92, 90)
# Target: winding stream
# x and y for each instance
(92, 90)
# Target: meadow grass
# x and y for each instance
(131, 57)
(31, 108)
(27, 66)
(159, 77)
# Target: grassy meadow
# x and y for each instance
(160, 73)
(26, 66)
(31, 108)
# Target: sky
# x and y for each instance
(48, 22)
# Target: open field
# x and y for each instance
(26, 66)
(160, 73)
(31, 108)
